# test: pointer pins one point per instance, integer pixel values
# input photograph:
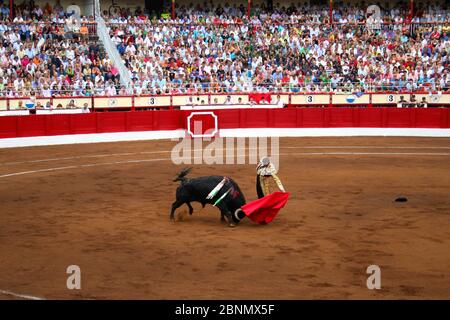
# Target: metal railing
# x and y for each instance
(246, 87)
(174, 101)
(270, 22)
(91, 25)
(168, 99)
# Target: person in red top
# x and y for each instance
(25, 61)
(435, 35)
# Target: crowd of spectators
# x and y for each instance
(217, 48)
(44, 52)
(343, 13)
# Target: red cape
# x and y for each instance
(265, 209)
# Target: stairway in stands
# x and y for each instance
(109, 47)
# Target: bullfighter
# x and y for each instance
(264, 172)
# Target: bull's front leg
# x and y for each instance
(175, 206)
(229, 219)
(191, 210)
(231, 223)
(227, 214)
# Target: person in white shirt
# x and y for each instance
(117, 40)
(423, 103)
(111, 90)
(130, 49)
(228, 100)
(190, 101)
(279, 102)
(71, 104)
(99, 79)
(70, 54)
(48, 106)
(85, 108)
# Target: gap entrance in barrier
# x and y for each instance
(202, 125)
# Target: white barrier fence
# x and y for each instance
(264, 99)
(42, 111)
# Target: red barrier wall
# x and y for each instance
(42, 125)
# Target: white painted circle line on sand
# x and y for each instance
(18, 295)
(247, 148)
(281, 154)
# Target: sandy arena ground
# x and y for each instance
(102, 208)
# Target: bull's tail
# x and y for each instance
(182, 175)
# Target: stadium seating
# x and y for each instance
(288, 50)
(206, 49)
(44, 53)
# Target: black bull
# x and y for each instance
(198, 189)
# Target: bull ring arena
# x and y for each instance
(86, 177)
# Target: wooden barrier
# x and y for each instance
(350, 99)
(3, 104)
(152, 101)
(171, 101)
(113, 102)
(311, 99)
(59, 124)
